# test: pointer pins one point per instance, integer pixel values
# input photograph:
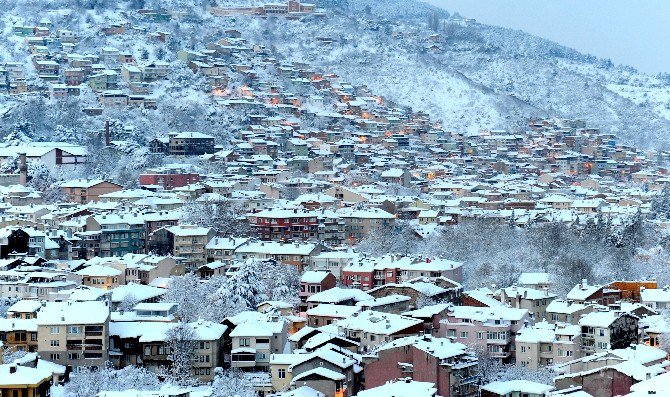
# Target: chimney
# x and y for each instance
(12, 369)
(23, 169)
(107, 138)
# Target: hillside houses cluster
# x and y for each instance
(317, 166)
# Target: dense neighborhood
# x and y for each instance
(332, 243)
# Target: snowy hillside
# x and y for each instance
(474, 76)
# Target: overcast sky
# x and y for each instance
(631, 32)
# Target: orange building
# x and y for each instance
(630, 290)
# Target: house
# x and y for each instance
(490, 329)
(19, 334)
(610, 380)
(567, 311)
(538, 281)
(255, 339)
(87, 190)
(279, 224)
(448, 365)
(600, 294)
(371, 328)
(326, 314)
(152, 337)
(546, 344)
(19, 380)
(605, 329)
(314, 281)
(120, 233)
(511, 388)
(339, 296)
(24, 309)
(185, 241)
(535, 301)
(104, 277)
(190, 144)
(295, 254)
(397, 176)
(168, 177)
(420, 290)
(222, 249)
(401, 388)
(74, 333)
(657, 299)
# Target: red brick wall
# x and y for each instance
(379, 372)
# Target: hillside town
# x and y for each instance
(322, 247)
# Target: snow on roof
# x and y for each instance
(526, 293)
(407, 388)
(330, 310)
(82, 183)
(323, 338)
(66, 313)
(392, 173)
(582, 291)
(192, 134)
(226, 243)
(254, 328)
(440, 348)
(640, 353)
(17, 324)
(523, 386)
(565, 307)
(386, 300)
(139, 292)
(321, 372)
(188, 230)
(660, 383)
(156, 331)
(427, 311)
(484, 314)
(655, 295)
(325, 353)
(99, 271)
(303, 391)
(276, 248)
(371, 213)
(337, 294)
(378, 323)
(533, 279)
(25, 306)
(599, 319)
(23, 375)
(314, 276)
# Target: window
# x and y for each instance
(55, 330)
(480, 335)
(281, 374)
(147, 350)
(55, 356)
(464, 334)
(74, 330)
(601, 332)
(244, 342)
(73, 356)
(451, 332)
(55, 342)
(523, 349)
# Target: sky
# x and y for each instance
(630, 32)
